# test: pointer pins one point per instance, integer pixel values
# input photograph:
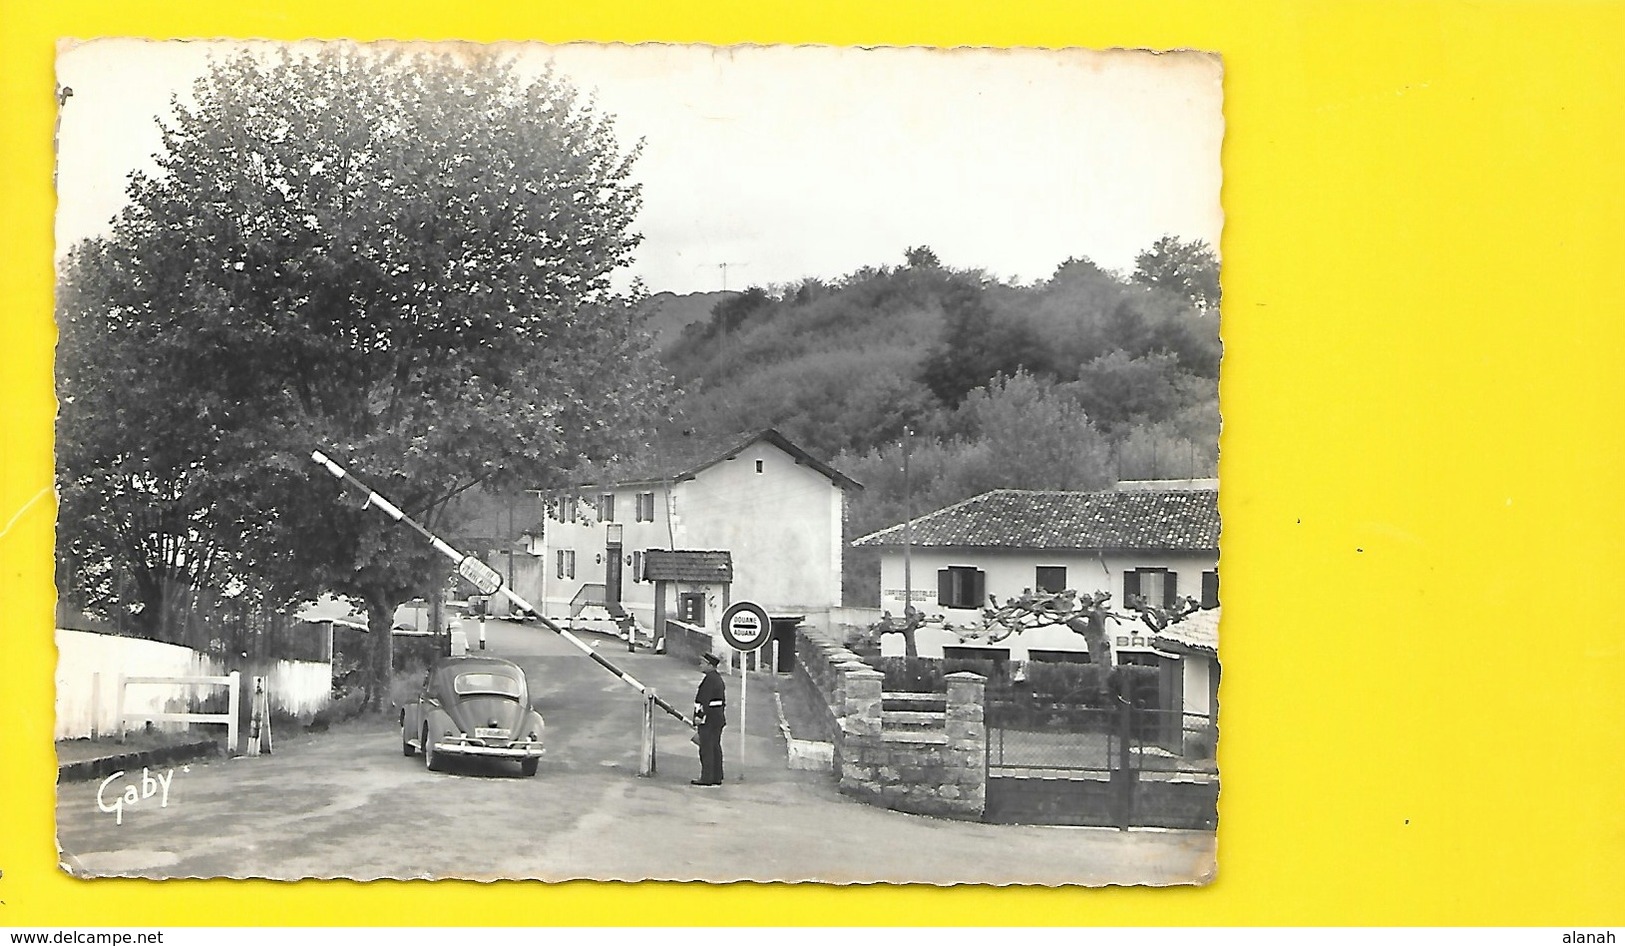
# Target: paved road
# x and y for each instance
(345, 803)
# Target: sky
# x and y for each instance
(767, 165)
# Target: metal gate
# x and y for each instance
(1117, 766)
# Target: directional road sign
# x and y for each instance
(483, 576)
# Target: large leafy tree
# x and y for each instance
(1187, 267)
(403, 259)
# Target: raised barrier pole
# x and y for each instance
(391, 510)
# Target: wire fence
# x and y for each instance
(1031, 738)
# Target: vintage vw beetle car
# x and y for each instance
(473, 705)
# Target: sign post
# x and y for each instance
(745, 626)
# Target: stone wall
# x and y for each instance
(686, 641)
(1167, 802)
(926, 768)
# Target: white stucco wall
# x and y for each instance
(89, 663)
(1009, 574)
(1197, 699)
(588, 538)
(782, 525)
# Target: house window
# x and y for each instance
(960, 586)
(1210, 589)
(606, 507)
(758, 466)
(1050, 578)
(1158, 586)
(566, 563)
(691, 607)
(646, 507)
(637, 566)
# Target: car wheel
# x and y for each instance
(431, 758)
(528, 766)
(407, 749)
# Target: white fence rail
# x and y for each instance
(231, 681)
(89, 665)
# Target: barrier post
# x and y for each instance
(646, 754)
(233, 705)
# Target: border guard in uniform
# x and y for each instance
(710, 713)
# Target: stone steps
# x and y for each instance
(891, 701)
(905, 719)
(919, 737)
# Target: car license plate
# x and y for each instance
(484, 733)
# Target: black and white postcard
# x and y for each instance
(631, 462)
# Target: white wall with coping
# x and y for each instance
(86, 701)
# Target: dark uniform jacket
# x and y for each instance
(711, 700)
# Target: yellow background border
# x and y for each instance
(1424, 695)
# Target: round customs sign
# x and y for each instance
(745, 626)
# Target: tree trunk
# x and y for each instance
(1093, 630)
(380, 664)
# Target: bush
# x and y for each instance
(1068, 684)
(910, 674)
(991, 669)
(1202, 743)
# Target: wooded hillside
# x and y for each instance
(1070, 383)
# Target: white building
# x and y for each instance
(773, 508)
(1162, 544)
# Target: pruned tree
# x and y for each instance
(403, 258)
(1084, 615)
(1158, 619)
(912, 621)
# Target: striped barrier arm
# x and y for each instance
(394, 512)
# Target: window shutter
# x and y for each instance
(978, 589)
(1131, 587)
(1210, 589)
(1170, 588)
(945, 589)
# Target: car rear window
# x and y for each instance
(467, 683)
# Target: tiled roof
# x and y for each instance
(1142, 520)
(680, 456)
(1198, 633)
(699, 567)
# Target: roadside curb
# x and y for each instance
(803, 755)
(86, 769)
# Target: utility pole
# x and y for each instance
(908, 525)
